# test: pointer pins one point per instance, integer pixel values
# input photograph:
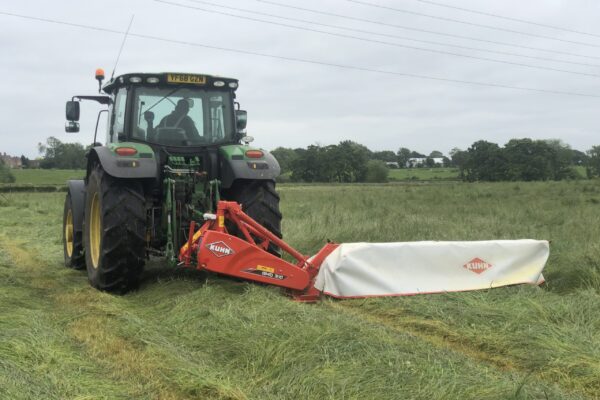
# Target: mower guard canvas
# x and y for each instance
(401, 269)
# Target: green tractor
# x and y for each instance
(175, 145)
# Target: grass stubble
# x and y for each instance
(185, 334)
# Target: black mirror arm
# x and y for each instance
(106, 100)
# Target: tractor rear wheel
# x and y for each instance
(261, 202)
(114, 232)
(72, 238)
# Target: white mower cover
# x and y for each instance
(402, 269)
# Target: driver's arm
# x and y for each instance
(191, 131)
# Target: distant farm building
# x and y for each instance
(392, 164)
(421, 161)
(12, 162)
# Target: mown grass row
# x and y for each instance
(188, 335)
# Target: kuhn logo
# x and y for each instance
(220, 249)
(477, 265)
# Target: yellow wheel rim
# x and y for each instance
(69, 233)
(95, 230)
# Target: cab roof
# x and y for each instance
(163, 79)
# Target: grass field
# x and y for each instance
(429, 174)
(189, 335)
(423, 174)
(46, 176)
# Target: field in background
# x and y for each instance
(423, 174)
(46, 176)
(59, 177)
(189, 335)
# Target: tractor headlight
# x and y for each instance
(219, 83)
(135, 79)
(152, 79)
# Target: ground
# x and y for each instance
(188, 335)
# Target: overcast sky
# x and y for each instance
(296, 104)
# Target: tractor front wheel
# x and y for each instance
(114, 232)
(72, 238)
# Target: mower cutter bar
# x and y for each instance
(214, 249)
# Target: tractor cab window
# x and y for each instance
(182, 116)
(116, 131)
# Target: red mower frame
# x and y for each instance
(213, 249)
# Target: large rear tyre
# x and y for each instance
(114, 232)
(261, 202)
(72, 238)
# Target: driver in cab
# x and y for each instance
(179, 119)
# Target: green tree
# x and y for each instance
(415, 154)
(6, 175)
(386, 156)
(535, 160)
(528, 160)
(403, 155)
(351, 161)
(579, 158)
(57, 154)
(562, 156)
(459, 159)
(285, 157)
(307, 166)
(593, 163)
(377, 171)
(485, 162)
(436, 154)
(345, 162)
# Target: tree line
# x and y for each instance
(60, 155)
(346, 162)
(518, 160)
(524, 160)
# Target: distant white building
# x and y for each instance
(414, 162)
(392, 164)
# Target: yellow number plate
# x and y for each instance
(185, 78)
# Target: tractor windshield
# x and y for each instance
(183, 116)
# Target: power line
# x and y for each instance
(391, 36)
(488, 14)
(301, 60)
(381, 23)
(518, 64)
(497, 28)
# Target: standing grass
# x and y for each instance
(185, 334)
(423, 174)
(47, 176)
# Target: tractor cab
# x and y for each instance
(167, 109)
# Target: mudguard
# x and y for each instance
(142, 165)
(77, 191)
(235, 165)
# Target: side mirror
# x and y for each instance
(241, 119)
(72, 127)
(72, 111)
